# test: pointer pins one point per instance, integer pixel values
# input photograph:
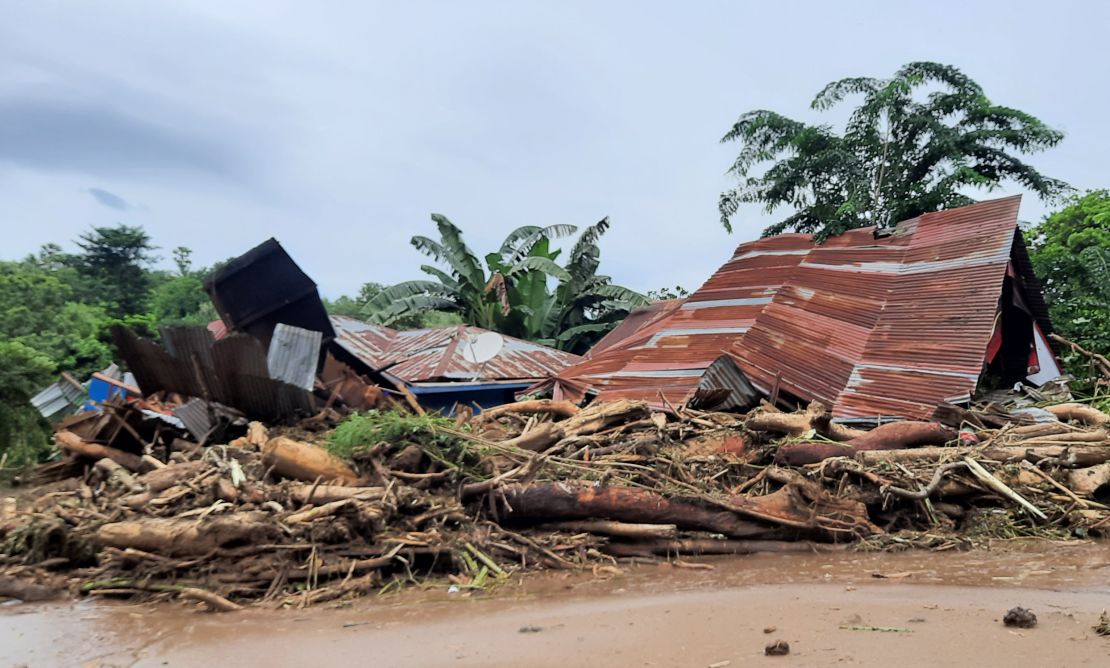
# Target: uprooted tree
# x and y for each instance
(915, 144)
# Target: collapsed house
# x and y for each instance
(874, 323)
(445, 366)
(275, 354)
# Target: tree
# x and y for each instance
(1070, 250)
(360, 307)
(666, 294)
(114, 263)
(915, 144)
(513, 294)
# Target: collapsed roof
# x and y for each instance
(870, 323)
(437, 355)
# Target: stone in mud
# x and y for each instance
(1022, 618)
(777, 648)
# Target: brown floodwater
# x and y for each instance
(926, 609)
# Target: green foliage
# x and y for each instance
(1070, 251)
(522, 291)
(915, 144)
(113, 265)
(665, 294)
(360, 307)
(181, 300)
(362, 431)
(23, 371)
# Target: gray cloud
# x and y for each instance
(110, 200)
(67, 135)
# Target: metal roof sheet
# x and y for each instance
(433, 354)
(871, 326)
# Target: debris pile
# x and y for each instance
(325, 509)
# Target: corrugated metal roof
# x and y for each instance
(870, 326)
(434, 354)
(293, 355)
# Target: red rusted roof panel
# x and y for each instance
(886, 326)
(434, 355)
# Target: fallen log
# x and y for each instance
(28, 592)
(1096, 436)
(907, 434)
(71, 442)
(811, 452)
(699, 546)
(1088, 481)
(173, 474)
(890, 436)
(304, 493)
(365, 510)
(816, 418)
(557, 409)
(117, 474)
(1088, 415)
(185, 537)
(301, 461)
(617, 529)
(546, 502)
(589, 420)
(1071, 456)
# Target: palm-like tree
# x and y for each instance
(521, 291)
(900, 155)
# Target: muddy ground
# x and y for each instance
(932, 609)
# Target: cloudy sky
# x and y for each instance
(337, 127)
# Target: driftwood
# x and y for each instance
(1088, 415)
(558, 409)
(302, 493)
(890, 436)
(25, 591)
(590, 420)
(117, 474)
(184, 537)
(559, 501)
(1072, 456)
(816, 418)
(173, 474)
(1096, 436)
(696, 546)
(1088, 481)
(301, 461)
(618, 529)
(71, 442)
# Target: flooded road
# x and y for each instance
(858, 609)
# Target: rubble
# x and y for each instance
(305, 513)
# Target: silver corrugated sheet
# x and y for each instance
(293, 355)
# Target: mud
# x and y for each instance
(858, 609)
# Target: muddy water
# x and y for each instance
(938, 609)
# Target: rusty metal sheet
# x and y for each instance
(872, 326)
(427, 355)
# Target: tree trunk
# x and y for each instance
(561, 501)
(188, 537)
(71, 442)
(890, 436)
(617, 529)
(696, 546)
(1080, 413)
(557, 409)
(301, 461)
(320, 494)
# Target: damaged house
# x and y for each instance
(873, 323)
(275, 354)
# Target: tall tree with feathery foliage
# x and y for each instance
(916, 143)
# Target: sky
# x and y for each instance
(339, 127)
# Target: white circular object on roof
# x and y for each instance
(482, 348)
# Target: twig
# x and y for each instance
(1001, 488)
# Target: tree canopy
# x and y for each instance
(917, 142)
(1070, 251)
(521, 291)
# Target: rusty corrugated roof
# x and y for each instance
(887, 326)
(428, 355)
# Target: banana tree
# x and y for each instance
(522, 291)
